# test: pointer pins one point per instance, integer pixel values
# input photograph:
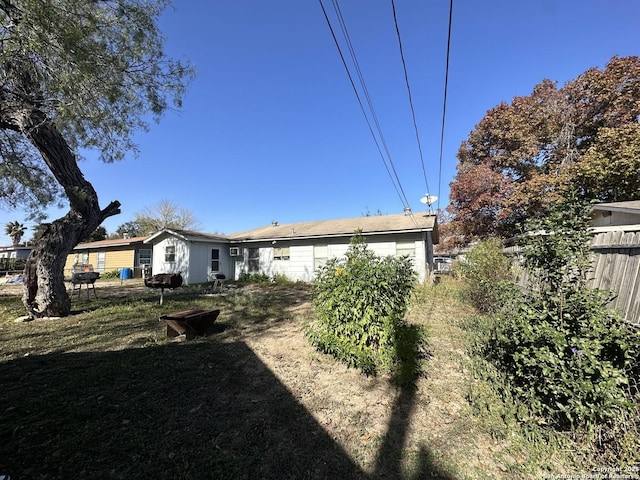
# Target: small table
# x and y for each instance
(189, 322)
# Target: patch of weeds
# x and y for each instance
(246, 277)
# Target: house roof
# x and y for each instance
(188, 235)
(113, 242)
(632, 206)
(372, 225)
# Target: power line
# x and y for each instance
(444, 102)
(396, 183)
(406, 80)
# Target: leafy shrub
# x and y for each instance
(284, 281)
(12, 264)
(565, 354)
(487, 275)
(110, 275)
(359, 304)
(246, 277)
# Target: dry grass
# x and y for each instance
(103, 394)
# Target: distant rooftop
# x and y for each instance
(372, 225)
(632, 206)
(112, 242)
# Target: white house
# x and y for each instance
(298, 249)
(295, 250)
(197, 256)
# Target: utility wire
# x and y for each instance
(444, 102)
(396, 183)
(406, 80)
(363, 84)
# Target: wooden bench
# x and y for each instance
(190, 322)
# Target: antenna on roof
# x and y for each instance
(429, 200)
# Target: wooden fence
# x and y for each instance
(616, 268)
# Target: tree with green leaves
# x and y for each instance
(128, 229)
(526, 155)
(15, 230)
(97, 235)
(566, 356)
(74, 75)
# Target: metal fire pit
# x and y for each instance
(190, 323)
(162, 281)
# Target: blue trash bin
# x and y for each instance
(125, 274)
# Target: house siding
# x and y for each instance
(302, 262)
(192, 259)
(200, 263)
(115, 258)
(181, 263)
(608, 218)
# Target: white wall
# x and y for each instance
(193, 259)
(301, 264)
(181, 263)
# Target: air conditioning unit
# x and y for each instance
(235, 251)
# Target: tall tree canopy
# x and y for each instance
(74, 74)
(522, 156)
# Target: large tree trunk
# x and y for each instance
(45, 293)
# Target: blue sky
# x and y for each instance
(271, 128)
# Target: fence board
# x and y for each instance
(615, 267)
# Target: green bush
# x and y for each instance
(110, 275)
(246, 277)
(12, 264)
(282, 280)
(486, 271)
(566, 356)
(359, 304)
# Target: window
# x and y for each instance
(100, 261)
(215, 260)
(405, 249)
(144, 256)
(320, 255)
(85, 258)
(254, 260)
(170, 253)
(281, 253)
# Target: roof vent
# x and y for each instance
(274, 223)
(407, 210)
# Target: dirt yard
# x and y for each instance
(385, 431)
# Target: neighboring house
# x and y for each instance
(15, 252)
(197, 256)
(616, 214)
(110, 255)
(9, 256)
(298, 249)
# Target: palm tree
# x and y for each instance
(15, 230)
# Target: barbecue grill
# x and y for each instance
(84, 275)
(164, 280)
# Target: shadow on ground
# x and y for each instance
(207, 409)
